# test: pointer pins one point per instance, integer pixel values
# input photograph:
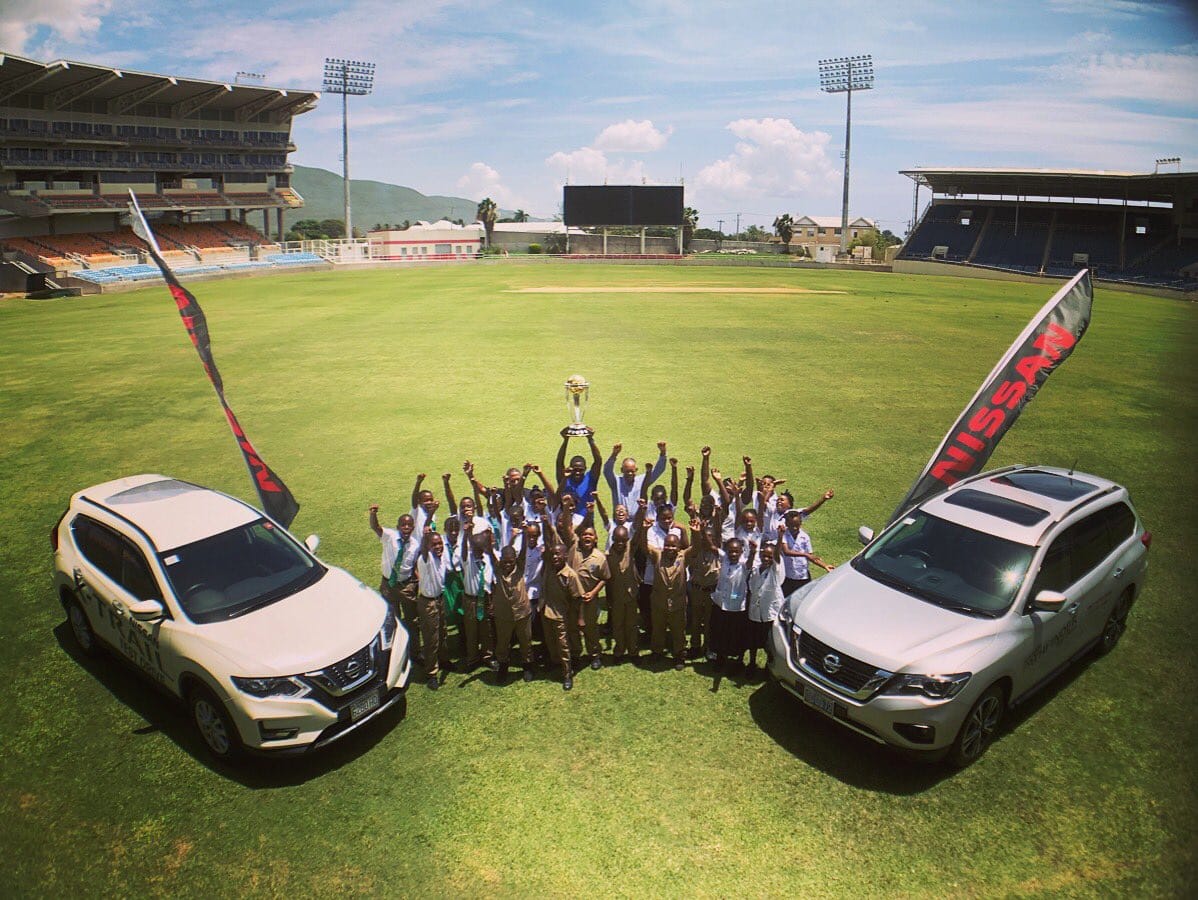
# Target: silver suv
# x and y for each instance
(964, 607)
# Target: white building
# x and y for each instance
(820, 235)
(427, 241)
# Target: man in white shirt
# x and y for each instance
(626, 489)
(398, 585)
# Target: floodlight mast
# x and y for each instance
(345, 77)
(844, 75)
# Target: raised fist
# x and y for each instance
(616, 448)
(674, 461)
(690, 471)
(706, 451)
(828, 495)
(748, 461)
(661, 447)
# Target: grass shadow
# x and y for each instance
(167, 715)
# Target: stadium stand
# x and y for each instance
(199, 155)
(1150, 236)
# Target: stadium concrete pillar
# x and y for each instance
(279, 223)
(605, 240)
(642, 240)
(266, 222)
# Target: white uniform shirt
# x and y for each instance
(797, 566)
(422, 518)
(769, 514)
(534, 564)
(431, 569)
(477, 575)
(612, 528)
(729, 593)
(391, 540)
(765, 591)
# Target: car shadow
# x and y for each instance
(167, 715)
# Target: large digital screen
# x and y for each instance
(622, 205)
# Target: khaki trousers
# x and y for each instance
(590, 627)
(671, 621)
(432, 628)
(478, 634)
(557, 642)
(624, 624)
(700, 604)
(522, 629)
(402, 598)
(574, 628)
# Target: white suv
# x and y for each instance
(964, 607)
(220, 606)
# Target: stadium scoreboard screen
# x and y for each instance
(622, 205)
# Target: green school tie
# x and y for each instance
(393, 578)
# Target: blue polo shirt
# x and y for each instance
(581, 488)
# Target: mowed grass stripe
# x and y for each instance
(639, 783)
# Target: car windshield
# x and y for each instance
(238, 571)
(948, 564)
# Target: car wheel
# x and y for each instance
(1116, 624)
(213, 724)
(81, 628)
(979, 727)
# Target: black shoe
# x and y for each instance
(493, 665)
(501, 673)
(596, 664)
(567, 683)
(433, 683)
(751, 668)
(679, 664)
(528, 675)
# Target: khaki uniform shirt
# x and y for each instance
(623, 582)
(704, 568)
(558, 589)
(511, 596)
(669, 582)
(592, 570)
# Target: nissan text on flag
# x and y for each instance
(218, 605)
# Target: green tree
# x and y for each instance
(754, 233)
(487, 213)
(690, 221)
(520, 216)
(332, 228)
(784, 227)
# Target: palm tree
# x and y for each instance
(784, 227)
(520, 216)
(487, 213)
(690, 220)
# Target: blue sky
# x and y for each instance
(509, 98)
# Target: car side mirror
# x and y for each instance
(1049, 601)
(865, 535)
(312, 541)
(147, 610)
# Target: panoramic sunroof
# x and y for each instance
(1001, 507)
(1048, 484)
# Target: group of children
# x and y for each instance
(511, 562)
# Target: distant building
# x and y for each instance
(428, 240)
(820, 235)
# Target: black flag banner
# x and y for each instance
(276, 499)
(1037, 352)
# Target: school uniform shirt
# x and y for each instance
(622, 580)
(477, 574)
(747, 537)
(704, 567)
(422, 518)
(591, 568)
(431, 569)
(769, 514)
(611, 530)
(765, 592)
(730, 587)
(534, 564)
(511, 596)
(728, 525)
(557, 589)
(797, 566)
(656, 539)
(669, 581)
(393, 543)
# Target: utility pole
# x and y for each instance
(345, 77)
(738, 226)
(843, 76)
(720, 226)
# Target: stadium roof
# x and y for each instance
(64, 81)
(1086, 183)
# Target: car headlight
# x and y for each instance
(387, 634)
(270, 687)
(934, 687)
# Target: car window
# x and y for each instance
(1092, 543)
(99, 544)
(135, 574)
(1121, 521)
(1055, 571)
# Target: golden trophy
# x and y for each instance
(578, 390)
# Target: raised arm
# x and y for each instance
(696, 529)
(750, 481)
(609, 467)
(416, 490)
(674, 481)
(705, 471)
(823, 498)
(687, 488)
(521, 557)
(642, 533)
(545, 483)
(374, 520)
(658, 467)
(559, 466)
(596, 456)
(480, 489)
(453, 503)
(602, 512)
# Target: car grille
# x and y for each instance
(346, 674)
(854, 677)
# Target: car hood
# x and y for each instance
(321, 624)
(887, 628)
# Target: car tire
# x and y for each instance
(979, 728)
(1115, 625)
(212, 724)
(81, 628)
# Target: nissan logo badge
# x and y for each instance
(831, 663)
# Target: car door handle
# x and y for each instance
(1073, 608)
(1118, 573)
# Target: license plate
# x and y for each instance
(819, 700)
(363, 705)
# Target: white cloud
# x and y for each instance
(772, 159)
(632, 137)
(68, 20)
(1149, 77)
(481, 181)
(586, 165)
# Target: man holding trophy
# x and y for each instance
(578, 480)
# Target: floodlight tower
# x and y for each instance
(345, 77)
(843, 76)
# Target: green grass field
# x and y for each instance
(639, 783)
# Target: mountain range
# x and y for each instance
(374, 202)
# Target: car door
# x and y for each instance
(1046, 632)
(97, 568)
(144, 643)
(1093, 591)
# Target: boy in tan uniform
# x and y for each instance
(513, 611)
(561, 596)
(622, 587)
(590, 564)
(667, 600)
(704, 573)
